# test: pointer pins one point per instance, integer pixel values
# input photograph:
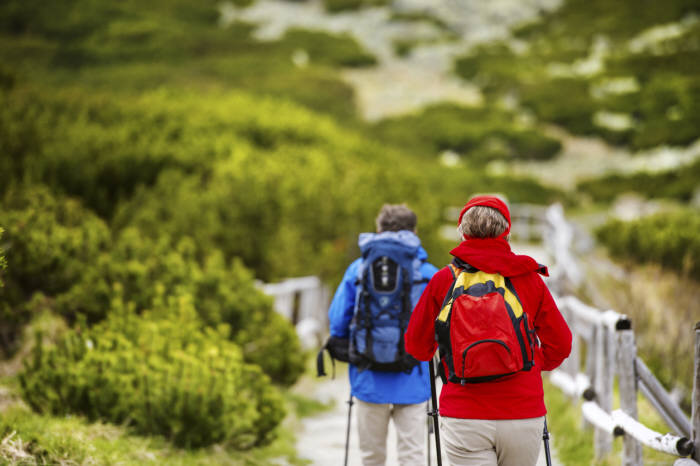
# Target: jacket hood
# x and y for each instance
(405, 237)
(493, 255)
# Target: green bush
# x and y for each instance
(49, 239)
(328, 49)
(479, 133)
(162, 373)
(124, 48)
(86, 145)
(564, 101)
(139, 270)
(48, 242)
(668, 239)
(662, 108)
(679, 183)
(336, 6)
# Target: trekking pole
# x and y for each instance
(347, 434)
(434, 413)
(428, 430)
(545, 438)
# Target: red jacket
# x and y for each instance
(516, 397)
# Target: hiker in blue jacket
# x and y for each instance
(385, 390)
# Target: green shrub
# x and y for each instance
(336, 6)
(123, 46)
(668, 110)
(668, 239)
(162, 373)
(565, 101)
(328, 49)
(48, 241)
(679, 183)
(496, 69)
(546, 77)
(480, 133)
(139, 270)
(87, 145)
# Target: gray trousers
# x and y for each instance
(373, 425)
(479, 442)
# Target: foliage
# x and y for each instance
(669, 239)
(140, 270)
(480, 133)
(570, 56)
(328, 49)
(48, 240)
(127, 47)
(336, 6)
(85, 146)
(124, 371)
(680, 183)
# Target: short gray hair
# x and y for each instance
(482, 222)
(395, 217)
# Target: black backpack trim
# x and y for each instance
(338, 349)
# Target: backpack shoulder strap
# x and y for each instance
(455, 273)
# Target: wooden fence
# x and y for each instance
(603, 350)
(304, 301)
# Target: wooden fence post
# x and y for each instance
(695, 421)
(627, 378)
(591, 361)
(603, 387)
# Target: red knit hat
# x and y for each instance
(488, 201)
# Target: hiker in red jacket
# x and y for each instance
(497, 422)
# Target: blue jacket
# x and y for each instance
(374, 386)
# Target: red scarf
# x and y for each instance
(493, 255)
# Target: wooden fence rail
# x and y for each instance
(610, 353)
(304, 301)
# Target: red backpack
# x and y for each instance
(482, 330)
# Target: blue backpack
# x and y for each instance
(389, 285)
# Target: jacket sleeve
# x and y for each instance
(343, 305)
(420, 334)
(552, 330)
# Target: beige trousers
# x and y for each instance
(373, 425)
(479, 442)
